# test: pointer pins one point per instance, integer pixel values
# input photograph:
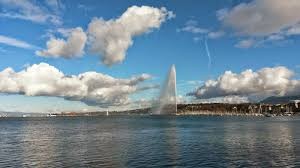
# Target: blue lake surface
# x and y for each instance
(150, 141)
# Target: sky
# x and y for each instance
(87, 55)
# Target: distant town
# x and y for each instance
(210, 109)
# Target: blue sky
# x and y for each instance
(179, 38)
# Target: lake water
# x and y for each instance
(150, 141)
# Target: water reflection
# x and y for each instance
(10, 143)
(263, 143)
(37, 144)
(150, 141)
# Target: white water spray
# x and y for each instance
(167, 98)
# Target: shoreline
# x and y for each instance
(207, 114)
(208, 109)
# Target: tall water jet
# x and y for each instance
(167, 103)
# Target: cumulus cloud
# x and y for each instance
(264, 21)
(111, 38)
(91, 88)
(295, 30)
(262, 17)
(265, 82)
(73, 47)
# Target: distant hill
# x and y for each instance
(279, 100)
(20, 114)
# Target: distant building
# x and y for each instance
(51, 115)
(296, 103)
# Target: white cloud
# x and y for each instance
(225, 99)
(73, 47)
(55, 5)
(193, 29)
(85, 9)
(262, 17)
(65, 32)
(275, 37)
(91, 88)
(15, 42)
(111, 38)
(216, 34)
(266, 21)
(295, 30)
(245, 43)
(196, 39)
(27, 10)
(194, 82)
(265, 82)
(181, 99)
(191, 26)
(53, 33)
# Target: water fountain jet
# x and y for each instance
(167, 103)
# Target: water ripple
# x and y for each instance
(150, 141)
